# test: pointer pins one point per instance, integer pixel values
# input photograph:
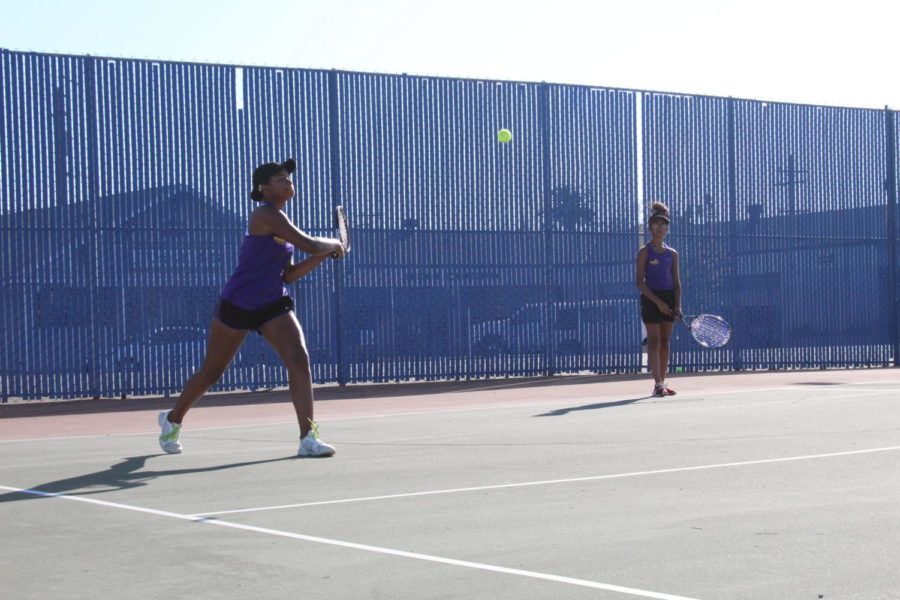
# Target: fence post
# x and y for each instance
(732, 232)
(890, 184)
(544, 124)
(334, 130)
(5, 360)
(93, 196)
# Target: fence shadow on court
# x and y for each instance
(322, 393)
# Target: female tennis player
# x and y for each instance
(255, 299)
(660, 285)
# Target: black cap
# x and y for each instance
(658, 215)
(264, 173)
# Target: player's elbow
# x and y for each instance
(315, 247)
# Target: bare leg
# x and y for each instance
(665, 333)
(653, 347)
(285, 335)
(223, 344)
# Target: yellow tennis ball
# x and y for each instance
(504, 135)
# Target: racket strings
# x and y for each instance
(343, 228)
(710, 332)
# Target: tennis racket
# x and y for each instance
(708, 330)
(343, 231)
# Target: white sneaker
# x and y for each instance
(168, 437)
(312, 446)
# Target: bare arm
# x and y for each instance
(294, 272)
(267, 220)
(676, 279)
(642, 284)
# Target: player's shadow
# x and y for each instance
(596, 406)
(123, 475)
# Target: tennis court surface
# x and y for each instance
(782, 485)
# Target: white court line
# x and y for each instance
(553, 481)
(411, 413)
(791, 388)
(538, 404)
(366, 547)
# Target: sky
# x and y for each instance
(833, 54)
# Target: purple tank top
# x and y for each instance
(258, 280)
(658, 269)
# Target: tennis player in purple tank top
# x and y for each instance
(660, 284)
(255, 299)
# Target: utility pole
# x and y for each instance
(791, 184)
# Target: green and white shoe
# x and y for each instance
(168, 437)
(311, 445)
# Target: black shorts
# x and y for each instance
(650, 313)
(239, 318)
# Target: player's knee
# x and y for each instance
(209, 374)
(297, 358)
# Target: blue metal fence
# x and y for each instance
(124, 195)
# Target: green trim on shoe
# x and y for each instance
(172, 436)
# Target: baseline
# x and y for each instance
(364, 547)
